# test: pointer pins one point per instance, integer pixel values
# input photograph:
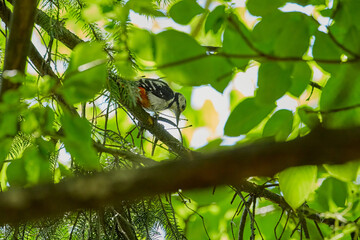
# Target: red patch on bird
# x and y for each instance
(143, 98)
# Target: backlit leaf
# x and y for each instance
(184, 61)
(183, 11)
(345, 172)
(235, 43)
(279, 125)
(297, 183)
(246, 115)
(86, 74)
(78, 142)
(300, 78)
(215, 19)
(263, 7)
(273, 82)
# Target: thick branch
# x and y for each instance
(57, 30)
(17, 47)
(225, 167)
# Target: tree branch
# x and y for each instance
(57, 30)
(17, 47)
(224, 167)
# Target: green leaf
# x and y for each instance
(183, 11)
(351, 40)
(341, 91)
(8, 124)
(331, 195)
(204, 197)
(5, 145)
(45, 85)
(144, 7)
(308, 2)
(235, 43)
(16, 173)
(78, 141)
(325, 49)
(215, 19)
(140, 42)
(345, 172)
(86, 74)
(275, 34)
(308, 117)
(300, 78)
(273, 82)
(263, 7)
(297, 183)
(290, 43)
(267, 30)
(279, 125)
(246, 116)
(37, 165)
(184, 61)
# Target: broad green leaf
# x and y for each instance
(5, 145)
(246, 116)
(30, 122)
(275, 34)
(184, 61)
(300, 78)
(234, 43)
(8, 123)
(290, 43)
(345, 172)
(351, 40)
(86, 74)
(37, 165)
(308, 2)
(341, 91)
(38, 119)
(65, 172)
(140, 42)
(183, 11)
(308, 116)
(263, 7)
(144, 7)
(78, 142)
(331, 195)
(347, 14)
(279, 125)
(273, 82)
(45, 85)
(325, 49)
(206, 196)
(297, 183)
(267, 30)
(16, 173)
(215, 19)
(92, 13)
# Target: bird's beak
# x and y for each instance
(177, 115)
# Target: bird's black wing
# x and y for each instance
(157, 87)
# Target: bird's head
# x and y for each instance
(179, 106)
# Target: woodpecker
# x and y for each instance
(156, 95)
